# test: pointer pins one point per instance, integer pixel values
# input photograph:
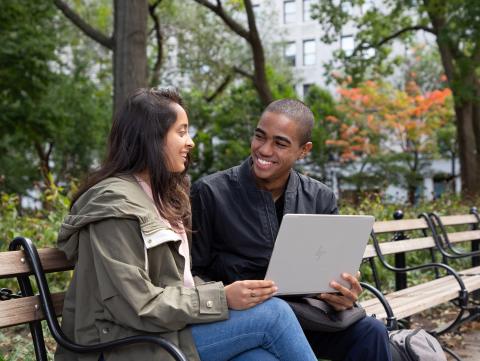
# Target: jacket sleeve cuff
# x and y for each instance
(212, 299)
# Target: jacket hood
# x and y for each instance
(115, 197)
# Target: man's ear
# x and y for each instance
(306, 148)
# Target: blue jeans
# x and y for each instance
(268, 331)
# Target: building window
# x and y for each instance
(290, 53)
(347, 44)
(308, 52)
(289, 10)
(306, 88)
(307, 10)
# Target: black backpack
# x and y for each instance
(415, 345)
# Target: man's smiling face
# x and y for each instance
(275, 147)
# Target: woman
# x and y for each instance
(127, 233)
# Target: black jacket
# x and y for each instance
(235, 223)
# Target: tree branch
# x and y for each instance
(365, 46)
(242, 72)
(86, 28)
(228, 20)
(44, 156)
(220, 88)
(159, 39)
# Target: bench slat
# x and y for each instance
(400, 225)
(418, 298)
(458, 219)
(22, 310)
(415, 244)
(407, 245)
(53, 260)
(408, 303)
(464, 236)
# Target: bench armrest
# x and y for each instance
(449, 251)
(391, 319)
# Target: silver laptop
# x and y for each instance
(311, 250)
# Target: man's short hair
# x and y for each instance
(295, 110)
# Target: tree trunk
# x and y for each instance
(467, 118)
(259, 76)
(130, 48)
(128, 44)
(468, 148)
(44, 162)
(465, 87)
(411, 194)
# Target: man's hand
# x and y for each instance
(345, 298)
(245, 294)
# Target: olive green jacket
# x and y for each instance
(128, 277)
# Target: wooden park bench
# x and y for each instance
(29, 308)
(438, 237)
(397, 238)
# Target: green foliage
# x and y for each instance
(281, 82)
(41, 226)
(323, 106)
(53, 117)
(222, 129)
(207, 50)
(379, 24)
(16, 343)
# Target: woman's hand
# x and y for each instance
(345, 298)
(245, 294)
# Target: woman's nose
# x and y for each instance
(190, 142)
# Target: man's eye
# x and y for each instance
(282, 145)
(259, 136)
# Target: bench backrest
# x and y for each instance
(407, 226)
(26, 309)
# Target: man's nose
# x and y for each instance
(266, 148)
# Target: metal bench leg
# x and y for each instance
(35, 326)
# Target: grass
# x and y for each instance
(16, 344)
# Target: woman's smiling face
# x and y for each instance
(178, 142)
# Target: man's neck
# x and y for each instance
(276, 187)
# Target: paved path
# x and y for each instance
(469, 346)
(465, 343)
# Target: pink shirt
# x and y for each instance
(183, 249)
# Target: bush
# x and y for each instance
(41, 226)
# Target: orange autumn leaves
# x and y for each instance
(377, 118)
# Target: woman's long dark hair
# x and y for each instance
(135, 145)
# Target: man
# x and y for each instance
(237, 214)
